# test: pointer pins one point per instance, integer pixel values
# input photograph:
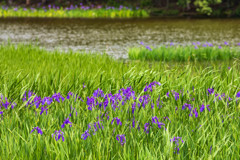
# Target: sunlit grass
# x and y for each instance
(28, 67)
(184, 53)
(74, 13)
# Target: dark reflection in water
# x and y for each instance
(116, 36)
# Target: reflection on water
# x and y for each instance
(116, 36)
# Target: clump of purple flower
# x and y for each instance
(85, 134)
(156, 121)
(117, 121)
(58, 135)
(44, 109)
(203, 107)
(37, 129)
(151, 86)
(66, 121)
(121, 139)
(176, 140)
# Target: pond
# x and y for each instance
(116, 36)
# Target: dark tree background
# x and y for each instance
(176, 6)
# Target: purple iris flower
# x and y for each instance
(98, 93)
(238, 95)
(47, 100)
(176, 95)
(155, 120)
(121, 139)
(151, 85)
(6, 104)
(149, 48)
(189, 106)
(204, 45)
(219, 47)
(57, 97)
(210, 44)
(37, 101)
(6, 8)
(146, 127)
(152, 105)
(229, 98)
(167, 94)
(238, 44)
(192, 111)
(65, 122)
(133, 123)
(97, 126)
(195, 112)
(210, 90)
(13, 105)
(144, 100)
(69, 94)
(29, 94)
(226, 43)
(166, 118)
(105, 103)
(133, 107)
(203, 107)
(196, 47)
(117, 120)
(57, 135)
(160, 124)
(38, 130)
(90, 103)
(176, 140)
(1, 112)
(120, 7)
(85, 135)
(44, 109)
(126, 94)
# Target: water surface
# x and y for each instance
(116, 36)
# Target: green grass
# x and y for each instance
(28, 67)
(74, 13)
(184, 53)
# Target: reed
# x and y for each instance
(185, 53)
(86, 96)
(72, 13)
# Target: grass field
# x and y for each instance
(195, 52)
(116, 109)
(73, 13)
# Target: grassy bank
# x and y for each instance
(195, 52)
(114, 121)
(72, 12)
